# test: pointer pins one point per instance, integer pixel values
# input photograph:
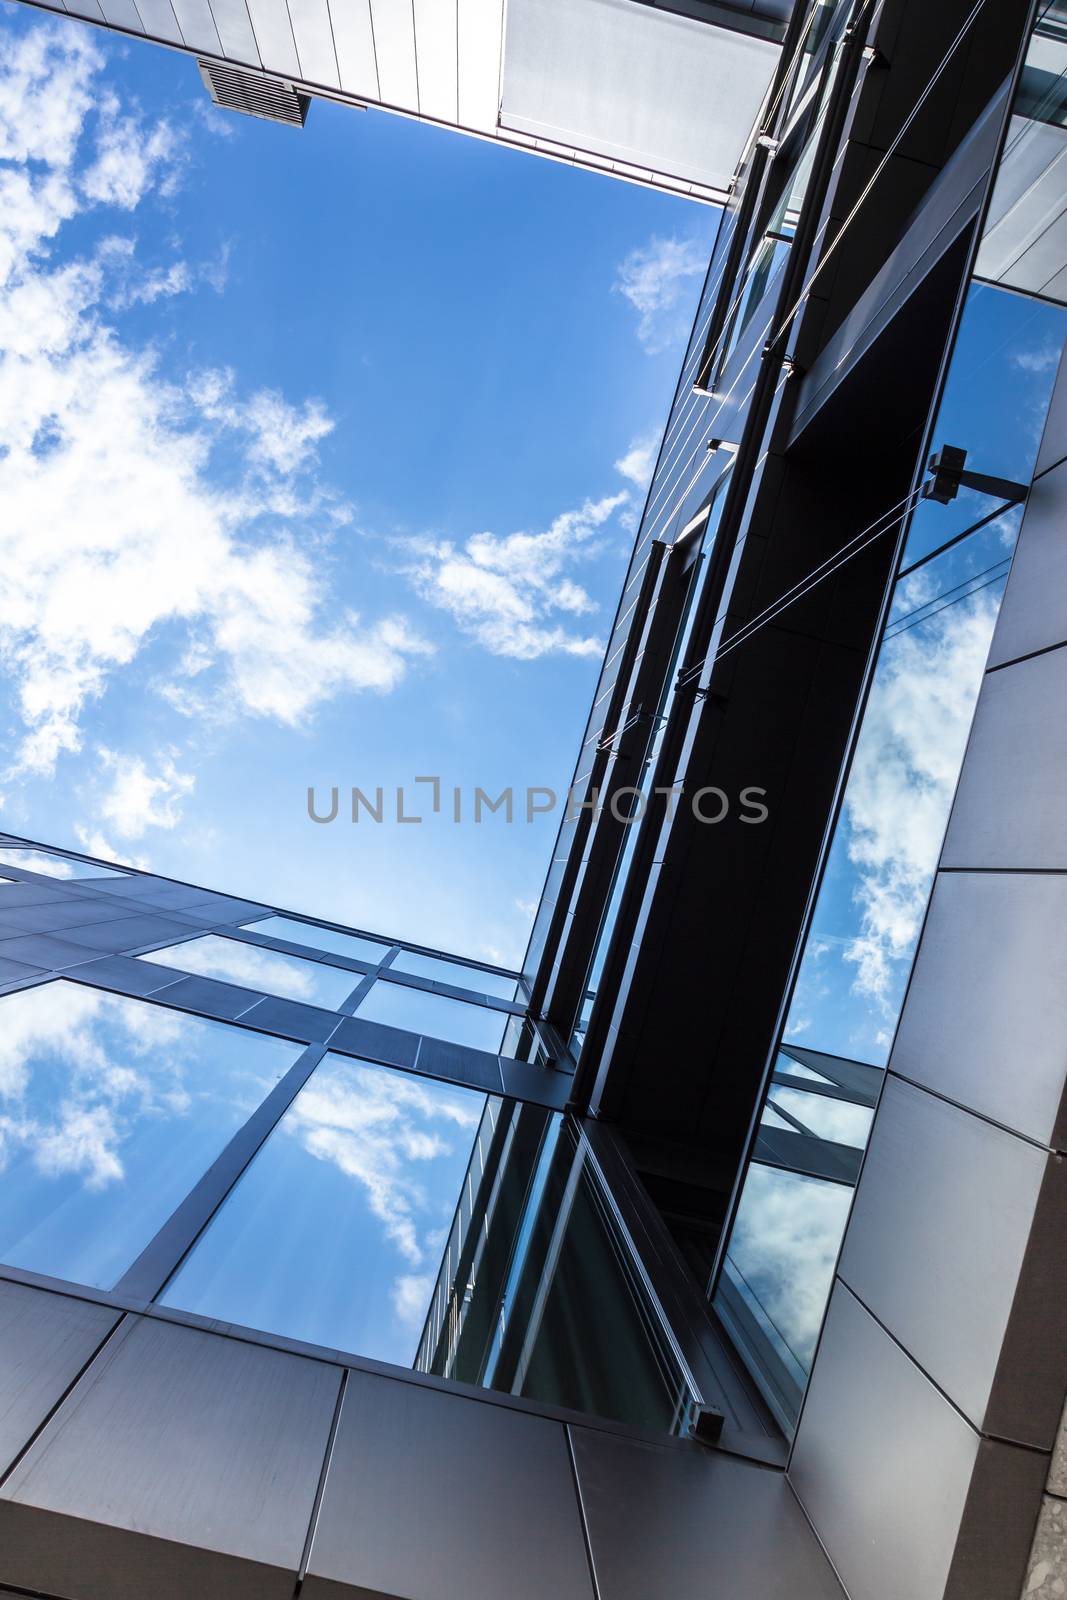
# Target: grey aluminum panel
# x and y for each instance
(436, 54)
(1009, 808)
(310, 1023)
(432, 1496)
(693, 1524)
(314, 41)
(121, 14)
(205, 1443)
(197, 25)
(394, 41)
(127, 933)
(353, 39)
(377, 1042)
(12, 971)
(274, 36)
(85, 8)
(1054, 438)
(127, 975)
(460, 1063)
(935, 1248)
(1033, 615)
(882, 1463)
(45, 1340)
(239, 43)
(985, 1019)
(39, 950)
(213, 999)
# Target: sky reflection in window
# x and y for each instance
(335, 1232)
(111, 1109)
(250, 965)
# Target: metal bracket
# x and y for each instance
(706, 1426)
(949, 476)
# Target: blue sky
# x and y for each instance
(259, 391)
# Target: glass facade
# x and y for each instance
(110, 1110)
(333, 1233)
(253, 967)
(441, 971)
(52, 865)
(438, 1015)
(326, 939)
(539, 1294)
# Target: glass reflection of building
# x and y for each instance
(676, 1196)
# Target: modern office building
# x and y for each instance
(718, 1255)
(659, 92)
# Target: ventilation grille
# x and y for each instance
(254, 94)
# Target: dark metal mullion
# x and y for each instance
(829, 1091)
(163, 1254)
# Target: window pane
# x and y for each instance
(52, 866)
(442, 971)
(339, 944)
(233, 961)
(538, 1294)
(334, 1234)
(419, 1011)
(110, 1111)
(824, 1117)
(779, 1270)
(996, 396)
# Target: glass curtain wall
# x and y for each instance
(779, 1261)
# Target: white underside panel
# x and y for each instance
(634, 83)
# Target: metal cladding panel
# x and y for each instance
(394, 41)
(936, 1246)
(239, 43)
(1009, 810)
(353, 39)
(314, 41)
(159, 20)
(183, 1463)
(437, 58)
(45, 1340)
(274, 36)
(1033, 615)
(1054, 439)
(436, 1496)
(634, 83)
(480, 35)
(86, 8)
(198, 25)
(122, 14)
(692, 1524)
(985, 1018)
(882, 1463)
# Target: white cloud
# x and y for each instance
(385, 1131)
(636, 465)
(79, 1070)
(411, 1298)
(507, 592)
(137, 509)
(657, 280)
(138, 799)
(129, 159)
